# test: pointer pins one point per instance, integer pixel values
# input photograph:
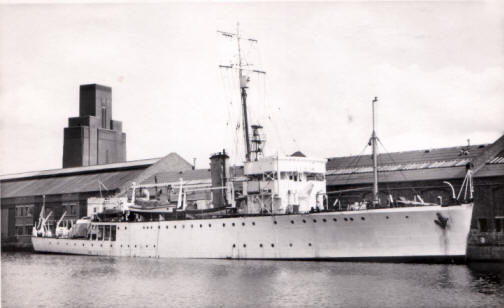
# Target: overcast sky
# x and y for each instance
(437, 68)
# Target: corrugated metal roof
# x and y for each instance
(54, 172)
(408, 157)
(434, 164)
(64, 184)
(401, 167)
(87, 179)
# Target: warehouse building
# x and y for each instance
(67, 190)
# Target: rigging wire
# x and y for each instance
(352, 165)
(395, 163)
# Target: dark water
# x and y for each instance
(36, 280)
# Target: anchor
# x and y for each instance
(441, 221)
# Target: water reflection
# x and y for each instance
(487, 278)
(32, 280)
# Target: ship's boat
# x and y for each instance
(277, 209)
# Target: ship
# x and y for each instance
(277, 209)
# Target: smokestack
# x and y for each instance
(219, 172)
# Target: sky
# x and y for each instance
(436, 67)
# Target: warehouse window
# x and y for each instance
(482, 225)
(499, 224)
(19, 230)
(71, 208)
(24, 210)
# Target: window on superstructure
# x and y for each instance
(93, 232)
(113, 234)
(100, 233)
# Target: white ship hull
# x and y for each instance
(395, 233)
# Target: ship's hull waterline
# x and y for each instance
(382, 234)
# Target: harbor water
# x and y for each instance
(44, 280)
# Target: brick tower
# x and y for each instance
(93, 138)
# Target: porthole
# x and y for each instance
(304, 220)
(175, 227)
(135, 246)
(292, 221)
(201, 226)
(290, 244)
(272, 245)
(67, 244)
(151, 227)
(125, 228)
(387, 217)
(128, 246)
(334, 219)
(143, 227)
(121, 245)
(154, 246)
(159, 227)
(166, 226)
(244, 245)
(110, 245)
(261, 245)
(314, 220)
(346, 219)
(309, 244)
(82, 244)
(118, 227)
(253, 223)
(91, 245)
(209, 225)
(351, 218)
(324, 220)
(275, 222)
(243, 224)
(101, 245)
(146, 246)
(234, 245)
(362, 218)
(192, 226)
(233, 224)
(75, 244)
(183, 226)
(223, 224)
(407, 217)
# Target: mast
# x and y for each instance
(375, 157)
(243, 79)
(243, 91)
